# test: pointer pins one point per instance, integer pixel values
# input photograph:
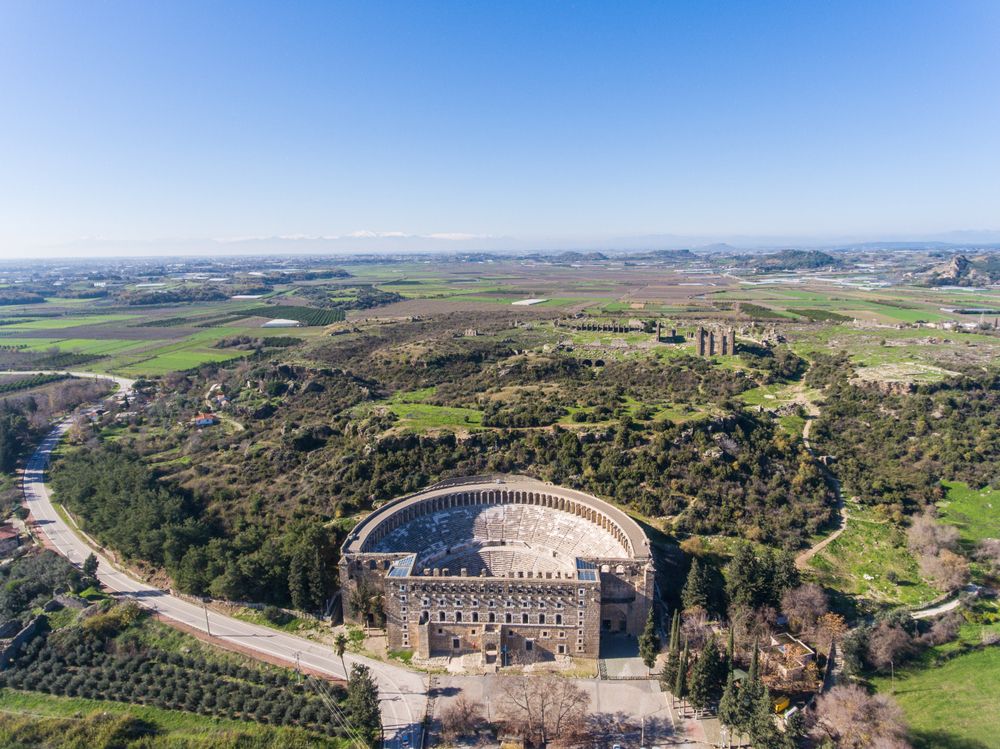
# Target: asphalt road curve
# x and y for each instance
(403, 693)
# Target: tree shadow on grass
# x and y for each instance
(944, 740)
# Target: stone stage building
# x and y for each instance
(510, 567)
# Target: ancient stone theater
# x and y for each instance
(517, 570)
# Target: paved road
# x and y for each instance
(403, 692)
(944, 608)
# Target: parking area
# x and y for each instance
(629, 713)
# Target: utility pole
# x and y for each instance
(208, 627)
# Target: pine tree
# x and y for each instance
(731, 650)
(780, 573)
(707, 677)
(703, 589)
(747, 696)
(728, 707)
(649, 641)
(695, 592)
(745, 583)
(90, 565)
(764, 734)
(361, 704)
(675, 633)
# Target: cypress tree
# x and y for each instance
(680, 680)
(728, 707)
(731, 651)
(649, 641)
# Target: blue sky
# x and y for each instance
(533, 122)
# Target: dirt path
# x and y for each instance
(802, 560)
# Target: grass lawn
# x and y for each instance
(865, 556)
(423, 417)
(773, 395)
(954, 705)
(416, 416)
(976, 514)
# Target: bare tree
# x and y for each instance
(853, 719)
(804, 605)
(926, 536)
(945, 629)
(830, 627)
(988, 552)
(888, 644)
(542, 708)
(751, 625)
(694, 627)
(947, 569)
(463, 717)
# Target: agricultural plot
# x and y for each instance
(72, 321)
(304, 315)
(885, 306)
(875, 347)
(92, 346)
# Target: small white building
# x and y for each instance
(282, 323)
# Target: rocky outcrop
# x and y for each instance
(961, 271)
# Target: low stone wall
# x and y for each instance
(36, 626)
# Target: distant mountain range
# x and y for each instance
(364, 243)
